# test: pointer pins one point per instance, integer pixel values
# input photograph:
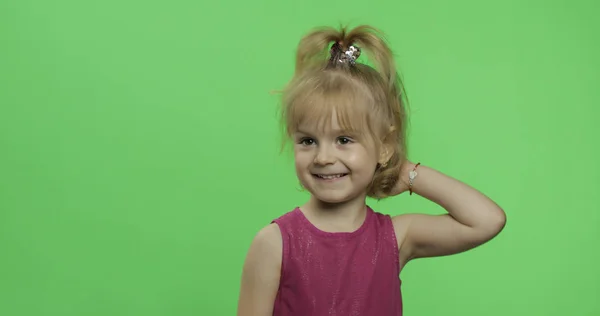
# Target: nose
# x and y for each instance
(324, 156)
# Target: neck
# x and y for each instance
(349, 213)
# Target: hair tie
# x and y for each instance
(348, 56)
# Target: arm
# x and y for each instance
(472, 218)
(260, 275)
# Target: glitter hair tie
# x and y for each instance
(341, 56)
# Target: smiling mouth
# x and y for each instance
(330, 176)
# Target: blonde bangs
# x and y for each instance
(315, 101)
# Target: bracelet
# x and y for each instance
(411, 178)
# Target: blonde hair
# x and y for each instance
(364, 99)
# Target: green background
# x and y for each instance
(139, 148)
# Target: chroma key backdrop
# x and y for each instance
(139, 149)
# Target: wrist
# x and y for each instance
(407, 167)
(408, 175)
(402, 184)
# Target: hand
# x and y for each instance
(402, 183)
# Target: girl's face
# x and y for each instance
(332, 165)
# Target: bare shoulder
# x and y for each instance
(261, 273)
(269, 239)
(266, 248)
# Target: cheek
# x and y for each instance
(360, 159)
(302, 158)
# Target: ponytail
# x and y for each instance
(314, 51)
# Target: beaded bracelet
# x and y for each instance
(411, 178)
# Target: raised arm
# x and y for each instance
(260, 275)
(472, 218)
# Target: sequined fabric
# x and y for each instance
(338, 274)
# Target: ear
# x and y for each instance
(385, 154)
(387, 149)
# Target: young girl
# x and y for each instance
(335, 255)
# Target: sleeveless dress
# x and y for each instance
(338, 274)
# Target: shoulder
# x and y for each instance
(287, 217)
(398, 223)
(268, 239)
(261, 273)
(388, 219)
(265, 253)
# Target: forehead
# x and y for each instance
(326, 121)
(342, 110)
(326, 124)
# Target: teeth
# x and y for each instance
(329, 176)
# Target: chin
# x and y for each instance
(330, 200)
(333, 197)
